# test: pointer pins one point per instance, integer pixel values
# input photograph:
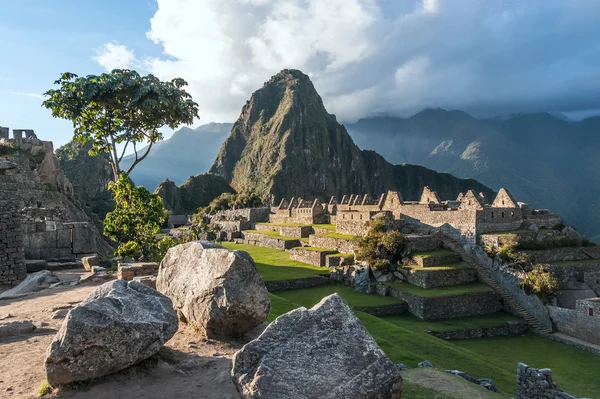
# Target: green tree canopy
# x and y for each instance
(136, 220)
(120, 109)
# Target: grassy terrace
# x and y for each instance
(320, 226)
(272, 234)
(441, 253)
(413, 323)
(276, 265)
(317, 249)
(462, 289)
(308, 297)
(455, 266)
(337, 235)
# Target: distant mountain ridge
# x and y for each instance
(285, 144)
(186, 153)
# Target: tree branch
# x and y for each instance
(138, 160)
(123, 153)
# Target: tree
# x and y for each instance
(136, 220)
(380, 247)
(120, 108)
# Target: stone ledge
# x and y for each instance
(507, 329)
(285, 285)
(311, 256)
(386, 310)
(439, 278)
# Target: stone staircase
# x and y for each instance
(486, 277)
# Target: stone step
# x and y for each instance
(434, 258)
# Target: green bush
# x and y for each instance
(540, 282)
(380, 246)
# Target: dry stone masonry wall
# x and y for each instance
(12, 259)
(537, 384)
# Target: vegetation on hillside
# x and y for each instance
(225, 201)
(540, 282)
(120, 110)
(197, 192)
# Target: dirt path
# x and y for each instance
(188, 366)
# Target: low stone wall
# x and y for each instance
(548, 220)
(312, 257)
(424, 242)
(253, 215)
(332, 261)
(576, 323)
(12, 260)
(353, 227)
(439, 278)
(537, 384)
(446, 307)
(436, 260)
(339, 244)
(388, 310)
(233, 225)
(128, 271)
(285, 285)
(296, 231)
(509, 328)
(570, 272)
(320, 230)
(592, 279)
(563, 254)
(262, 240)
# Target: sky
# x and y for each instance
(365, 57)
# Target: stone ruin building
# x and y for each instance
(470, 214)
(53, 224)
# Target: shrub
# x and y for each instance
(227, 201)
(540, 282)
(380, 246)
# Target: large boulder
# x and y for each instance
(216, 290)
(323, 352)
(33, 283)
(118, 325)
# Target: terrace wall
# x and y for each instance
(269, 242)
(339, 244)
(312, 257)
(12, 259)
(439, 278)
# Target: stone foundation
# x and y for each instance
(12, 259)
(262, 240)
(438, 278)
(296, 284)
(509, 328)
(573, 272)
(436, 260)
(388, 310)
(339, 244)
(129, 271)
(332, 261)
(424, 242)
(563, 254)
(310, 256)
(449, 306)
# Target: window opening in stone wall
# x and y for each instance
(492, 215)
(512, 213)
(502, 215)
(591, 311)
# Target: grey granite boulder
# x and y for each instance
(216, 290)
(16, 328)
(118, 325)
(324, 352)
(33, 283)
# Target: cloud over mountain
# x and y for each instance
(383, 56)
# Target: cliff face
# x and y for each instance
(196, 192)
(89, 175)
(286, 144)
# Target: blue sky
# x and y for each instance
(365, 57)
(41, 39)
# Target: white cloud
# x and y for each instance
(371, 56)
(114, 56)
(33, 95)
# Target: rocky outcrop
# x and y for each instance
(118, 325)
(33, 283)
(218, 291)
(198, 191)
(286, 144)
(323, 352)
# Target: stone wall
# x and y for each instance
(128, 271)
(430, 261)
(269, 242)
(548, 220)
(573, 272)
(284, 285)
(449, 306)
(592, 279)
(509, 328)
(233, 225)
(310, 256)
(427, 242)
(386, 310)
(563, 254)
(12, 260)
(253, 215)
(439, 278)
(537, 384)
(339, 244)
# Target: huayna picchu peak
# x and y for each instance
(285, 144)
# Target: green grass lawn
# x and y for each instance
(442, 253)
(413, 323)
(337, 235)
(455, 266)
(325, 226)
(441, 291)
(276, 265)
(308, 297)
(273, 234)
(575, 371)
